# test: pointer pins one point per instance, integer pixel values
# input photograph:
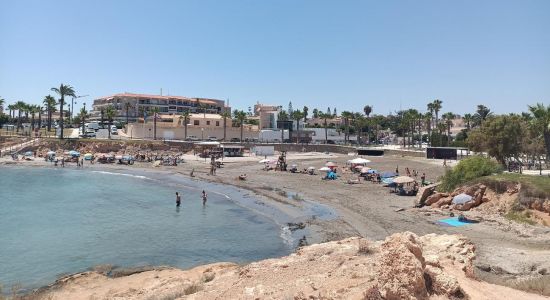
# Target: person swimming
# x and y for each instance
(204, 197)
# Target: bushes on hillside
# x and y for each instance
(467, 170)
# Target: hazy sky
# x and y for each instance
(388, 54)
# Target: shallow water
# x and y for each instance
(59, 221)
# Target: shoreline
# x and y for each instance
(368, 210)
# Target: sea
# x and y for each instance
(59, 221)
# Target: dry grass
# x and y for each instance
(539, 285)
(365, 247)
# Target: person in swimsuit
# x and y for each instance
(178, 199)
(204, 197)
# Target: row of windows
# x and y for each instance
(172, 102)
(197, 123)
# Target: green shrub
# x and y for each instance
(466, 170)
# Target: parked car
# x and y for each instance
(114, 130)
(235, 140)
(191, 138)
(212, 138)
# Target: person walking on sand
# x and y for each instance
(423, 179)
(178, 199)
(204, 197)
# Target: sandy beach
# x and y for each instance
(366, 209)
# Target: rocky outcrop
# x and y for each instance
(404, 266)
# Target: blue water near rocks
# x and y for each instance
(59, 221)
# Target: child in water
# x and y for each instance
(178, 199)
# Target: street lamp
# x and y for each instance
(71, 108)
(202, 134)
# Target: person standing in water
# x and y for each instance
(204, 197)
(178, 199)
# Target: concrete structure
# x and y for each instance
(267, 115)
(200, 126)
(167, 105)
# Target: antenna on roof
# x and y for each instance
(161, 91)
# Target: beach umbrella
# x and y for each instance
(265, 160)
(50, 153)
(388, 174)
(365, 169)
(88, 156)
(359, 167)
(127, 157)
(403, 179)
(372, 171)
(387, 180)
(359, 161)
(118, 157)
(461, 198)
(311, 168)
(330, 164)
(325, 169)
(28, 153)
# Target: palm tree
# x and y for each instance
(155, 110)
(225, 114)
(282, 116)
(49, 102)
(360, 123)
(347, 116)
(33, 109)
(2, 102)
(20, 106)
(482, 113)
(83, 115)
(468, 119)
(367, 110)
(297, 115)
(241, 117)
(325, 117)
(305, 112)
(11, 108)
(437, 105)
(127, 106)
(62, 91)
(110, 113)
(449, 116)
(428, 118)
(541, 123)
(102, 112)
(185, 116)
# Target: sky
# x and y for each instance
(345, 54)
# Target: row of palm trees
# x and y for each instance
(24, 109)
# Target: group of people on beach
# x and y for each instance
(204, 196)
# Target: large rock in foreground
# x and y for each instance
(404, 266)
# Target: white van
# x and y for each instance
(114, 130)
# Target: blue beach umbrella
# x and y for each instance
(372, 171)
(74, 153)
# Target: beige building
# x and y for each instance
(137, 104)
(266, 115)
(199, 126)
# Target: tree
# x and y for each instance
(282, 116)
(482, 113)
(540, 124)
(241, 117)
(315, 113)
(335, 114)
(297, 116)
(468, 119)
(448, 117)
(346, 115)
(83, 115)
(290, 110)
(127, 106)
(225, 114)
(110, 113)
(40, 110)
(185, 117)
(325, 117)
(49, 102)
(437, 105)
(2, 102)
(328, 111)
(367, 110)
(62, 91)
(102, 113)
(11, 108)
(501, 137)
(305, 111)
(33, 109)
(20, 106)
(155, 110)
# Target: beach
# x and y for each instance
(367, 209)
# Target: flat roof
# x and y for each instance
(159, 97)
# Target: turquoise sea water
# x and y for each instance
(60, 221)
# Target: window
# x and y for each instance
(207, 122)
(196, 122)
(217, 123)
